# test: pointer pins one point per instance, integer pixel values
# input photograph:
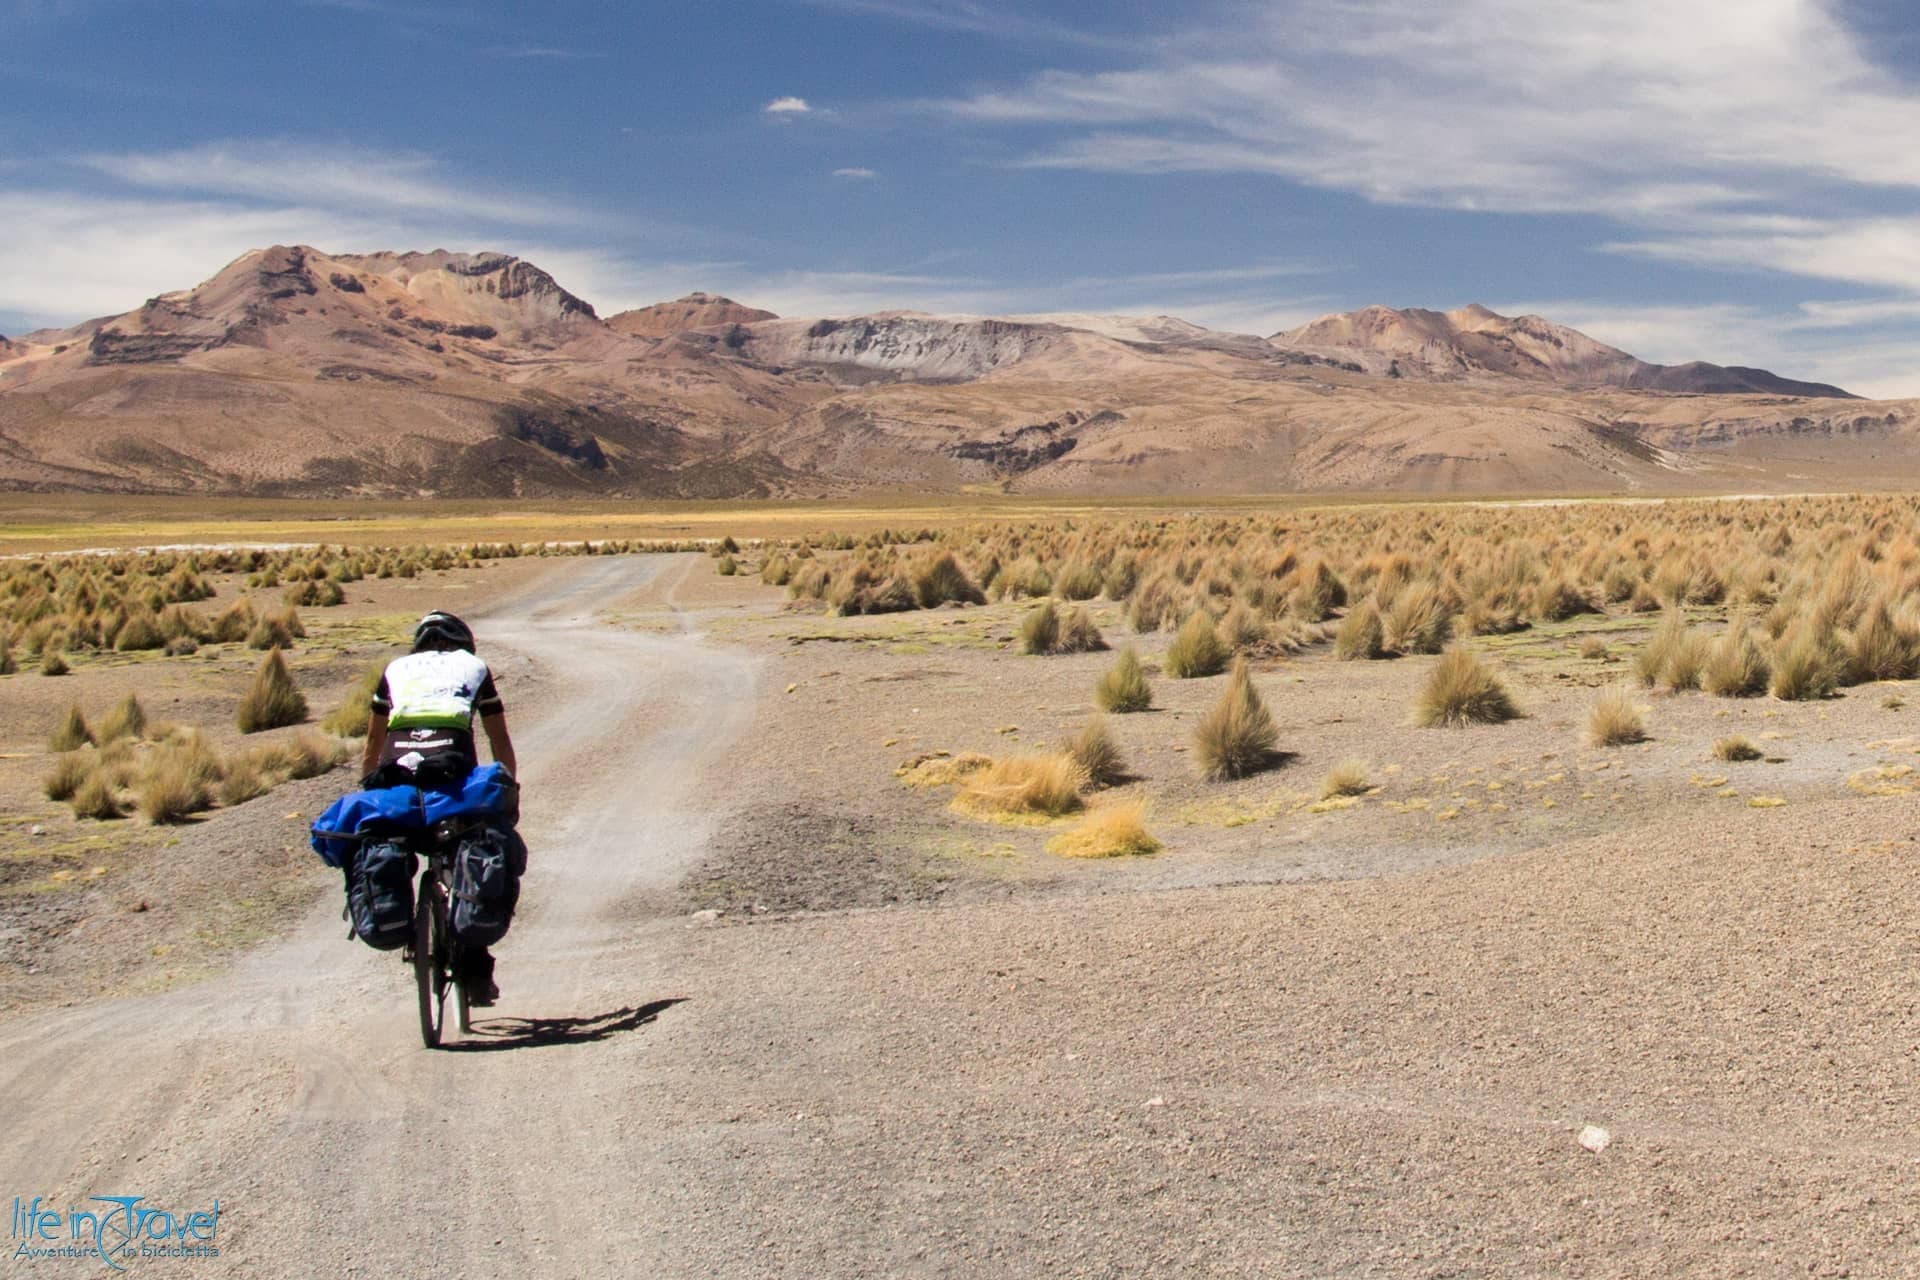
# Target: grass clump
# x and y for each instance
(72, 732)
(128, 719)
(272, 700)
(941, 580)
(1196, 649)
(179, 782)
(1122, 687)
(1348, 778)
(1614, 720)
(1237, 736)
(1594, 649)
(1806, 667)
(1462, 690)
(1735, 749)
(1079, 634)
(727, 566)
(53, 664)
(1361, 635)
(98, 797)
(1040, 629)
(1094, 750)
(1116, 832)
(70, 769)
(350, 718)
(1034, 786)
(1735, 666)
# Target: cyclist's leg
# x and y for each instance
(476, 974)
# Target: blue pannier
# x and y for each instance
(487, 792)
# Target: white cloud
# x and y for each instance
(787, 107)
(855, 172)
(1643, 110)
(304, 173)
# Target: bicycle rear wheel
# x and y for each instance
(430, 960)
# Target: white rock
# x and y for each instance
(701, 919)
(1595, 1139)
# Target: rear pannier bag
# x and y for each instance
(380, 895)
(486, 884)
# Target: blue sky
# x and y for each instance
(1731, 180)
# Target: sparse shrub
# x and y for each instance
(1030, 786)
(1420, 620)
(1093, 749)
(1557, 601)
(128, 719)
(1319, 594)
(1687, 660)
(1735, 749)
(1806, 666)
(70, 769)
(72, 733)
(8, 664)
(1594, 648)
(941, 579)
(98, 797)
(1123, 687)
(1236, 737)
(727, 566)
(1735, 667)
(1040, 629)
(139, 634)
(1242, 628)
(350, 718)
(1882, 647)
(1462, 690)
(181, 646)
(1360, 634)
(1614, 720)
(1348, 778)
(1196, 649)
(1114, 832)
(244, 780)
(52, 664)
(1078, 581)
(173, 788)
(1079, 634)
(272, 700)
(233, 623)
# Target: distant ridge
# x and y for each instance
(695, 311)
(1474, 340)
(292, 371)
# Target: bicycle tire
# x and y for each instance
(426, 981)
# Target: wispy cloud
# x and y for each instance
(788, 106)
(1003, 23)
(1631, 109)
(858, 173)
(353, 178)
(545, 53)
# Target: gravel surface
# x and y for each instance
(1045, 1068)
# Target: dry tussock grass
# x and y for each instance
(1116, 831)
(1463, 690)
(1237, 736)
(1031, 786)
(1614, 720)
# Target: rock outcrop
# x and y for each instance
(695, 311)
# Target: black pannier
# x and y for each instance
(486, 884)
(380, 894)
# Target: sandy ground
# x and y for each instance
(1354, 1042)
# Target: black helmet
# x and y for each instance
(442, 631)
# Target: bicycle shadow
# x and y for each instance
(495, 1034)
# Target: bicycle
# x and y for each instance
(434, 951)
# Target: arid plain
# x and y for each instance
(1492, 889)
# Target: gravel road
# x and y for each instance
(295, 1090)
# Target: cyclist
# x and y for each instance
(420, 733)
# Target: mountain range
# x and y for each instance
(296, 372)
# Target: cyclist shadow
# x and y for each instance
(495, 1034)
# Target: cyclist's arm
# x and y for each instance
(499, 741)
(376, 741)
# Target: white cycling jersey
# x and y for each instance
(436, 689)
